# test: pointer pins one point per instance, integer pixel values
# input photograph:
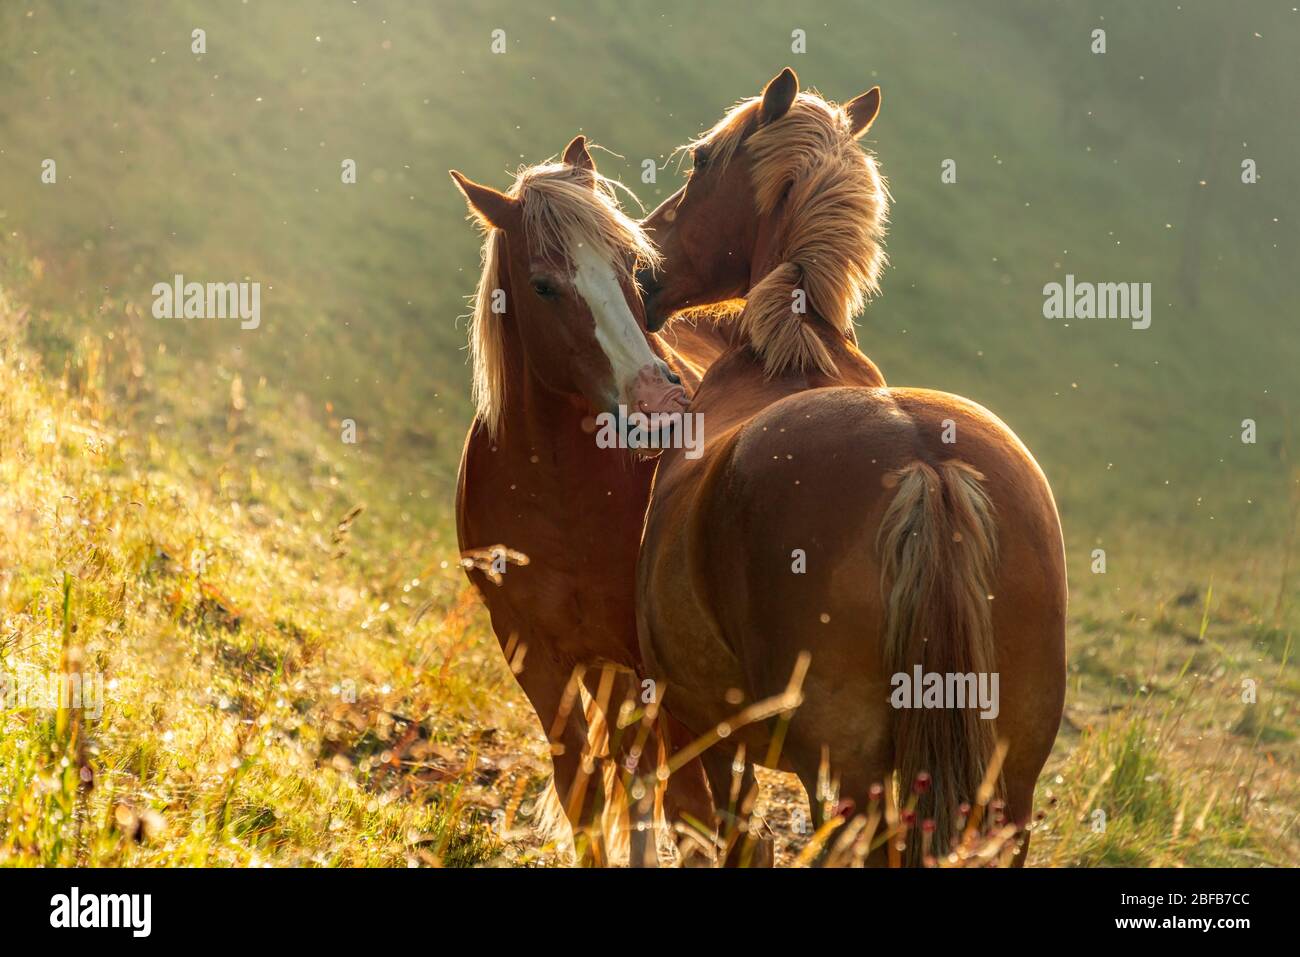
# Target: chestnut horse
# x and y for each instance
(548, 522)
(881, 531)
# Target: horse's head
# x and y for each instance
(559, 262)
(732, 219)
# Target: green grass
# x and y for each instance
(227, 164)
(277, 691)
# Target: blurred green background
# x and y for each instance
(1120, 167)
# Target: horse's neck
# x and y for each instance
(547, 439)
(535, 421)
(852, 367)
(691, 346)
(737, 386)
(544, 487)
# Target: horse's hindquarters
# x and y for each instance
(777, 550)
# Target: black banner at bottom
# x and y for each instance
(334, 907)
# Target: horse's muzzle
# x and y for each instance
(649, 283)
(654, 391)
(647, 280)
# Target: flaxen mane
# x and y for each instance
(833, 227)
(562, 206)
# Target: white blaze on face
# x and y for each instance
(617, 331)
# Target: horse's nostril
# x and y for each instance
(673, 377)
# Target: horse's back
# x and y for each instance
(695, 344)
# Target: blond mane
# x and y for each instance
(562, 206)
(832, 230)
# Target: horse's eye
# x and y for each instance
(699, 160)
(544, 289)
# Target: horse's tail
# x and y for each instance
(938, 545)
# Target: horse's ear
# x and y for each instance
(490, 206)
(779, 95)
(863, 110)
(575, 154)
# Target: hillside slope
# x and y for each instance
(1117, 167)
(258, 686)
(263, 684)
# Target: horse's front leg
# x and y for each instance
(683, 805)
(633, 750)
(552, 688)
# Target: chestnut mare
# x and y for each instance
(549, 523)
(879, 530)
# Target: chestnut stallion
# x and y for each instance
(549, 522)
(901, 544)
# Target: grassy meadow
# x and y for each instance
(293, 671)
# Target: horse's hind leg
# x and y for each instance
(1021, 779)
(744, 836)
(1024, 763)
(687, 798)
(1032, 672)
(853, 781)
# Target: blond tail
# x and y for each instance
(938, 545)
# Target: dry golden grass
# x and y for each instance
(288, 678)
(262, 701)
